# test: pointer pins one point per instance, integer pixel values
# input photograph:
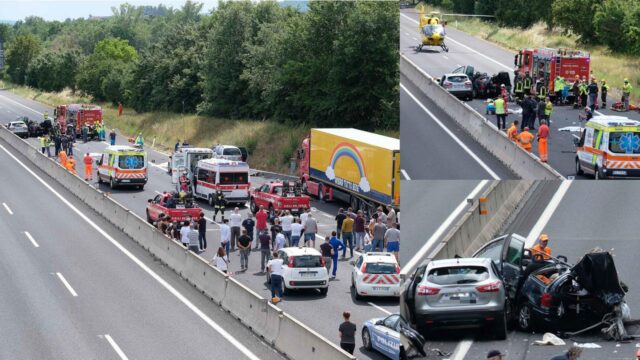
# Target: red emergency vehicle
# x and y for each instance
(545, 64)
(277, 196)
(79, 115)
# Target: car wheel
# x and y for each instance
(253, 207)
(578, 167)
(596, 174)
(112, 183)
(525, 319)
(99, 179)
(500, 329)
(285, 290)
(210, 200)
(321, 192)
(324, 291)
(149, 218)
(366, 339)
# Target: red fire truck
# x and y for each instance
(79, 115)
(545, 64)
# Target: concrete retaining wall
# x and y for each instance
(285, 333)
(521, 162)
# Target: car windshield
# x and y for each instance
(234, 178)
(624, 142)
(231, 151)
(457, 79)
(429, 30)
(307, 261)
(458, 275)
(380, 268)
(19, 124)
(131, 161)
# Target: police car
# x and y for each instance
(376, 274)
(384, 336)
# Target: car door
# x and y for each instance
(511, 265)
(153, 209)
(178, 166)
(387, 338)
(408, 297)
(492, 250)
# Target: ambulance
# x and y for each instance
(232, 177)
(609, 147)
(185, 160)
(121, 165)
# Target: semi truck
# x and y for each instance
(355, 166)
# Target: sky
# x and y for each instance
(60, 10)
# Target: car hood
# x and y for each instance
(597, 273)
(373, 321)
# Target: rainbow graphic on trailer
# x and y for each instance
(347, 150)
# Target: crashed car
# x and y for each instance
(392, 337)
(485, 86)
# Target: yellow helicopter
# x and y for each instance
(431, 29)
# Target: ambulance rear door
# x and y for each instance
(178, 166)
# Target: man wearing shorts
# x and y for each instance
(392, 239)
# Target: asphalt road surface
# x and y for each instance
(323, 314)
(486, 57)
(578, 216)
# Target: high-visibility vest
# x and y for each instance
(548, 108)
(542, 92)
(557, 85)
(500, 106)
(583, 89)
(527, 83)
(626, 88)
(604, 88)
(519, 86)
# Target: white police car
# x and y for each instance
(383, 335)
(376, 274)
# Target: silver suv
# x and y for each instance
(228, 152)
(458, 293)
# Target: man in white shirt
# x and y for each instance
(274, 266)
(296, 232)
(184, 234)
(225, 235)
(285, 222)
(280, 242)
(304, 215)
(235, 223)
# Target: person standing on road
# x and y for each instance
(261, 220)
(526, 111)
(548, 110)
(367, 240)
(541, 248)
(380, 214)
(494, 355)
(347, 332)
(85, 133)
(543, 135)
(337, 245)
(184, 234)
(593, 94)
(286, 221)
(225, 235)
(219, 204)
(540, 111)
(244, 245)
(379, 230)
(274, 267)
(265, 247)
(512, 132)
(296, 232)
(392, 238)
(501, 113)
(347, 236)
(604, 89)
(112, 137)
(62, 156)
(140, 141)
(525, 139)
(276, 229)
(280, 242)
(70, 147)
(626, 92)
(88, 167)
(327, 253)
(221, 260)
(202, 232)
(339, 219)
(235, 221)
(583, 91)
(193, 238)
(57, 144)
(391, 215)
(248, 224)
(573, 353)
(43, 142)
(310, 230)
(359, 230)
(304, 216)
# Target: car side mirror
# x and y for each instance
(150, 200)
(379, 322)
(576, 141)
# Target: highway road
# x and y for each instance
(304, 305)
(486, 57)
(75, 287)
(578, 216)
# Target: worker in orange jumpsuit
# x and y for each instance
(512, 132)
(525, 139)
(541, 248)
(62, 155)
(71, 165)
(543, 135)
(120, 108)
(88, 171)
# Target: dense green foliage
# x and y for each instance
(335, 64)
(613, 23)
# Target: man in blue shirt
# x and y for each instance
(337, 245)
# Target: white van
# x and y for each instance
(185, 160)
(232, 177)
(121, 165)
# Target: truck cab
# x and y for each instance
(279, 195)
(184, 161)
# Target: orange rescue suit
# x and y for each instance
(546, 252)
(512, 133)
(88, 171)
(71, 165)
(63, 158)
(543, 135)
(525, 139)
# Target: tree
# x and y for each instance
(523, 13)
(54, 71)
(20, 52)
(608, 20)
(577, 16)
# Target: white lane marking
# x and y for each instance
(461, 350)
(404, 173)
(445, 57)
(406, 33)
(452, 135)
(157, 192)
(458, 65)
(7, 208)
(547, 213)
(414, 38)
(379, 308)
(466, 47)
(33, 241)
(24, 106)
(138, 262)
(116, 347)
(411, 264)
(162, 166)
(66, 284)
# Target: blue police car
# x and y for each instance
(383, 335)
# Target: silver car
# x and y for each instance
(228, 152)
(458, 85)
(19, 128)
(458, 293)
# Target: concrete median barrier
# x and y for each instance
(284, 332)
(297, 341)
(521, 162)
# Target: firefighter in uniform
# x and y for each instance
(219, 204)
(604, 88)
(541, 90)
(519, 87)
(583, 93)
(526, 84)
(626, 92)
